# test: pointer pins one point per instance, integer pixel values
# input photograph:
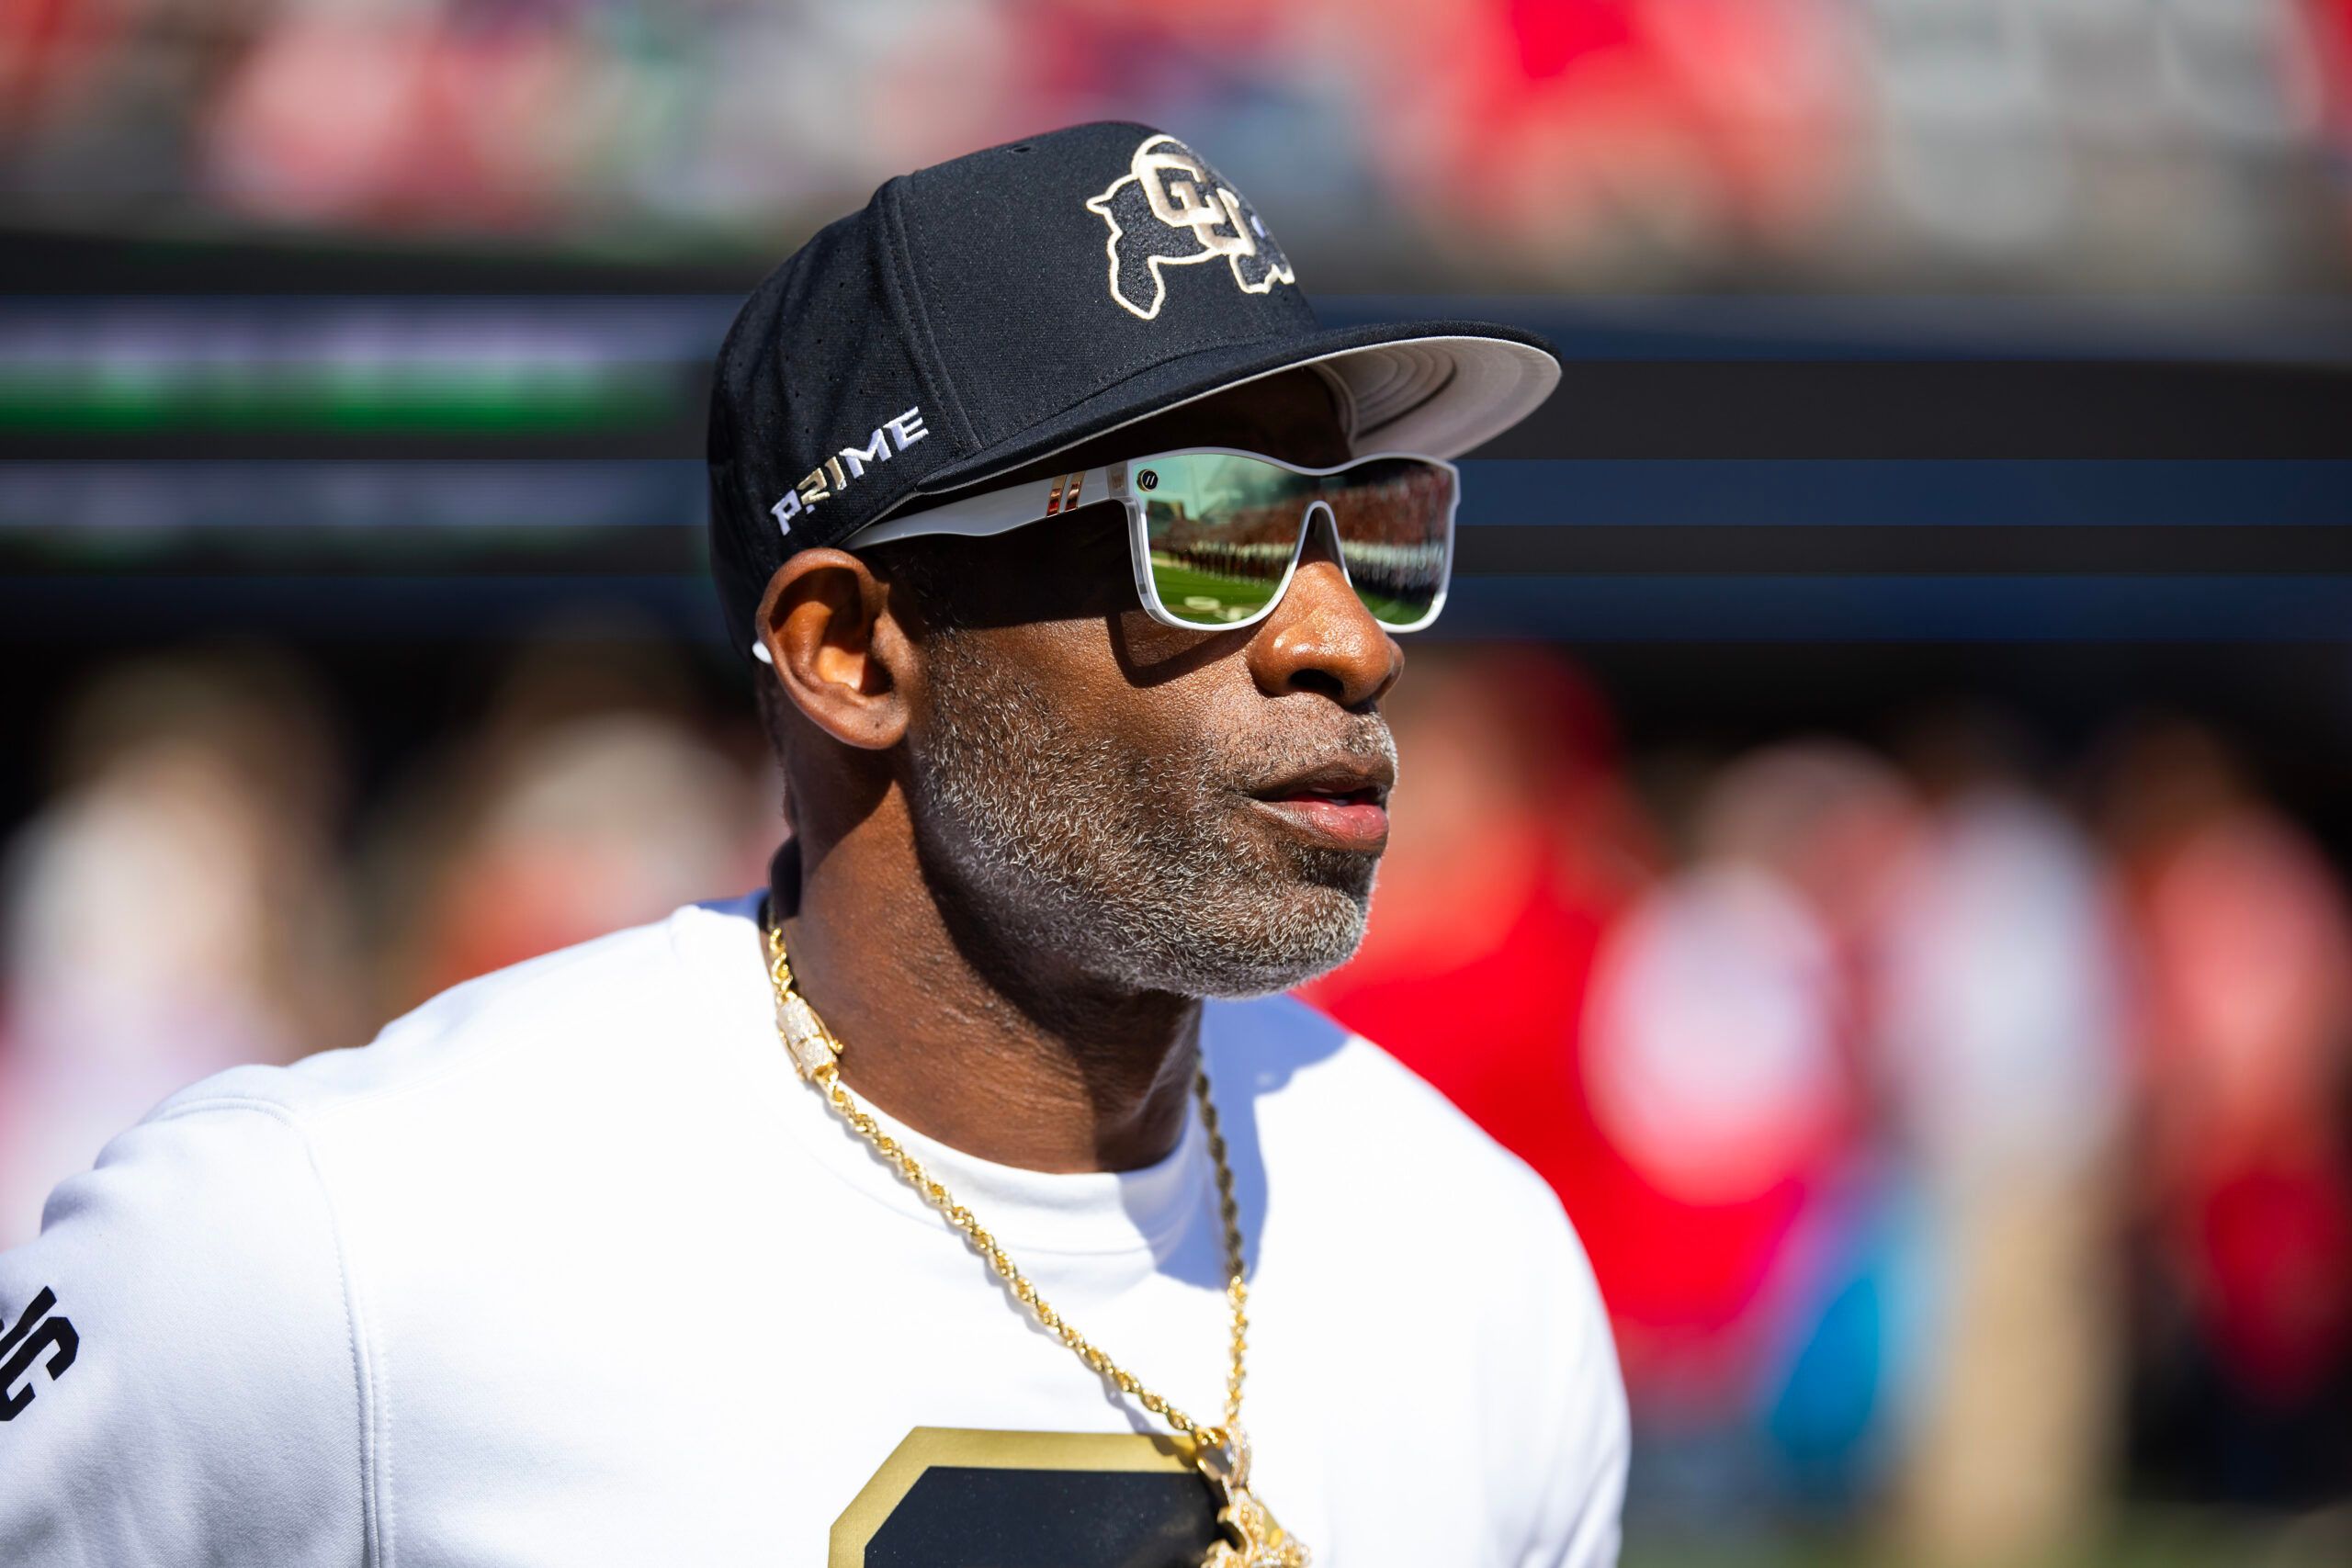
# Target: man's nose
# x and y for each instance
(1320, 637)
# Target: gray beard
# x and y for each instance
(1128, 865)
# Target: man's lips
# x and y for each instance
(1346, 823)
(1342, 803)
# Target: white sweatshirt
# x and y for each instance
(568, 1268)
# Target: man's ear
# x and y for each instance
(835, 648)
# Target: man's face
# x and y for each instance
(1195, 812)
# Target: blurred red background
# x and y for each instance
(1874, 821)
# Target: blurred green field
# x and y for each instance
(1189, 590)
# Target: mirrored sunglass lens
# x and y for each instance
(1392, 517)
(1221, 531)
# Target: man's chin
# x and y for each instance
(1312, 929)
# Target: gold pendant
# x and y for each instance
(805, 1035)
(1257, 1541)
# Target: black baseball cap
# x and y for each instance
(988, 311)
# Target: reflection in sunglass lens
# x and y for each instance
(1392, 517)
(1223, 528)
(1222, 531)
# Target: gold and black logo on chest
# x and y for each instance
(951, 1497)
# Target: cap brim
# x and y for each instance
(1436, 387)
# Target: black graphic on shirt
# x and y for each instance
(20, 1348)
(1029, 1500)
(1077, 1518)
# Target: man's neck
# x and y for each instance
(1002, 1055)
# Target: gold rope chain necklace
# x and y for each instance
(1222, 1452)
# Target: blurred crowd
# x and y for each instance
(202, 888)
(1955, 1131)
(2112, 142)
(1961, 1136)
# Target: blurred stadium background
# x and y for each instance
(1877, 814)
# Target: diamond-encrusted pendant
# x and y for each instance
(1257, 1541)
(812, 1045)
(810, 1042)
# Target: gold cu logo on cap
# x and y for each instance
(1171, 209)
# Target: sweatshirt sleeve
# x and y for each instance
(1580, 1394)
(179, 1369)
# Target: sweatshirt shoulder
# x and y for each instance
(1322, 1085)
(191, 1380)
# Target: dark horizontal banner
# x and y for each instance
(2279, 329)
(1615, 550)
(1958, 408)
(1890, 492)
(1488, 550)
(1605, 408)
(157, 500)
(1697, 608)
(1734, 469)
(1865, 609)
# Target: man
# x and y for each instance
(1040, 500)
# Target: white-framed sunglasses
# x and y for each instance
(1215, 534)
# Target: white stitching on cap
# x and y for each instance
(889, 438)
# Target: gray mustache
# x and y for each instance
(1278, 757)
